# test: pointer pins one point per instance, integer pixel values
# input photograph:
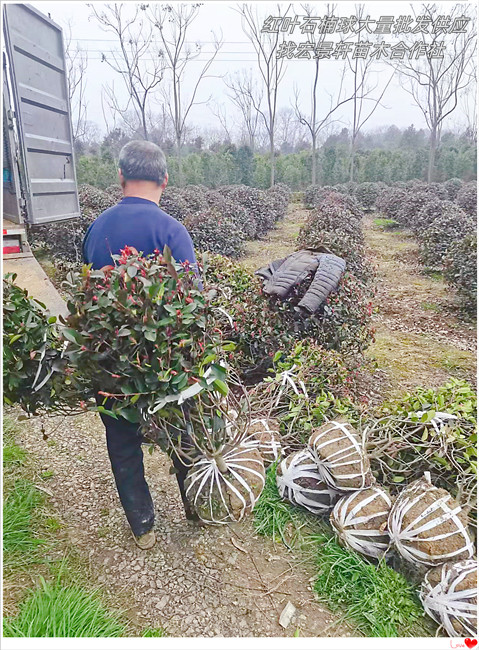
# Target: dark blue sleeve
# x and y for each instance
(182, 249)
(181, 245)
(83, 248)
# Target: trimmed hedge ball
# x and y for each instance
(220, 496)
(428, 526)
(342, 461)
(449, 595)
(263, 435)
(300, 483)
(360, 521)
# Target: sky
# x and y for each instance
(236, 54)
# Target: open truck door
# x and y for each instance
(39, 178)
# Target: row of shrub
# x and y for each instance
(335, 224)
(376, 162)
(219, 221)
(262, 327)
(443, 218)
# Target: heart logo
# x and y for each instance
(470, 642)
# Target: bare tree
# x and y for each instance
(271, 68)
(76, 63)
(469, 107)
(219, 111)
(140, 68)
(364, 105)
(173, 23)
(245, 94)
(435, 80)
(287, 130)
(315, 120)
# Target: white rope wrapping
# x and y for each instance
(452, 606)
(350, 522)
(265, 441)
(206, 478)
(408, 536)
(300, 465)
(334, 466)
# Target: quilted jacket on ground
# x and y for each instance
(282, 275)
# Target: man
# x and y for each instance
(137, 221)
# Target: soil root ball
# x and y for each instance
(263, 435)
(224, 497)
(449, 595)
(428, 526)
(337, 448)
(360, 521)
(300, 483)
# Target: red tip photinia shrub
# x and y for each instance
(449, 227)
(260, 326)
(460, 270)
(467, 198)
(139, 331)
(366, 194)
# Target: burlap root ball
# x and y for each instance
(449, 595)
(360, 521)
(222, 497)
(342, 461)
(300, 483)
(428, 526)
(263, 435)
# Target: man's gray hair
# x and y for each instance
(142, 160)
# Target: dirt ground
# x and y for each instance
(420, 338)
(227, 581)
(196, 581)
(278, 243)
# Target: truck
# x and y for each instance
(39, 177)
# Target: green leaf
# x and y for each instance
(132, 271)
(221, 387)
(15, 337)
(72, 335)
(102, 409)
(132, 415)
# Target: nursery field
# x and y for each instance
(397, 335)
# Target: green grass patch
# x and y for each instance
(55, 610)
(13, 455)
(20, 543)
(430, 306)
(437, 276)
(154, 631)
(378, 600)
(279, 520)
(387, 224)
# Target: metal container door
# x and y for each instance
(35, 51)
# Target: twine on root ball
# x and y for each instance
(428, 526)
(263, 435)
(339, 452)
(226, 489)
(300, 482)
(360, 519)
(449, 595)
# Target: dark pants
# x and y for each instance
(126, 456)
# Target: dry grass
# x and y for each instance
(412, 360)
(420, 340)
(279, 242)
